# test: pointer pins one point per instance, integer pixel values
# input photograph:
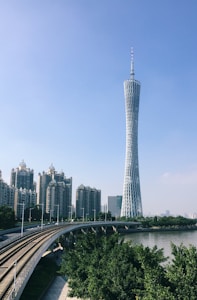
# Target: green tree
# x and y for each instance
(167, 221)
(107, 268)
(106, 216)
(36, 213)
(103, 267)
(7, 217)
(155, 282)
(87, 263)
(182, 272)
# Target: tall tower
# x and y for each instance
(131, 202)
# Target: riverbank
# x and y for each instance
(158, 229)
(58, 290)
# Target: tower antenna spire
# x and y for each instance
(132, 64)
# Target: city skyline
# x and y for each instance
(62, 67)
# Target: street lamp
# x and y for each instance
(50, 215)
(94, 210)
(87, 217)
(70, 211)
(58, 207)
(22, 223)
(83, 213)
(42, 204)
(30, 209)
(105, 212)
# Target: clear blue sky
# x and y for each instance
(62, 67)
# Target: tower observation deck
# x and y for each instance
(131, 202)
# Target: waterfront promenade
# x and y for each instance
(58, 290)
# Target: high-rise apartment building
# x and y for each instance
(114, 205)
(88, 202)
(22, 177)
(23, 197)
(22, 180)
(54, 192)
(6, 193)
(131, 202)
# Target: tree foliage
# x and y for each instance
(182, 273)
(167, 221)
(35, 214)
(164, 222)
(105, 267)
(7, 217)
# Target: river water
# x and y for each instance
(163, 239)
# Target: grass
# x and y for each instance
(40, 280)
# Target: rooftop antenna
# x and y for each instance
(132, 64)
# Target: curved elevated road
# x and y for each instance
(19, 258)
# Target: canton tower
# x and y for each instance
(131, 202)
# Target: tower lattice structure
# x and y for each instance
(131, 202)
